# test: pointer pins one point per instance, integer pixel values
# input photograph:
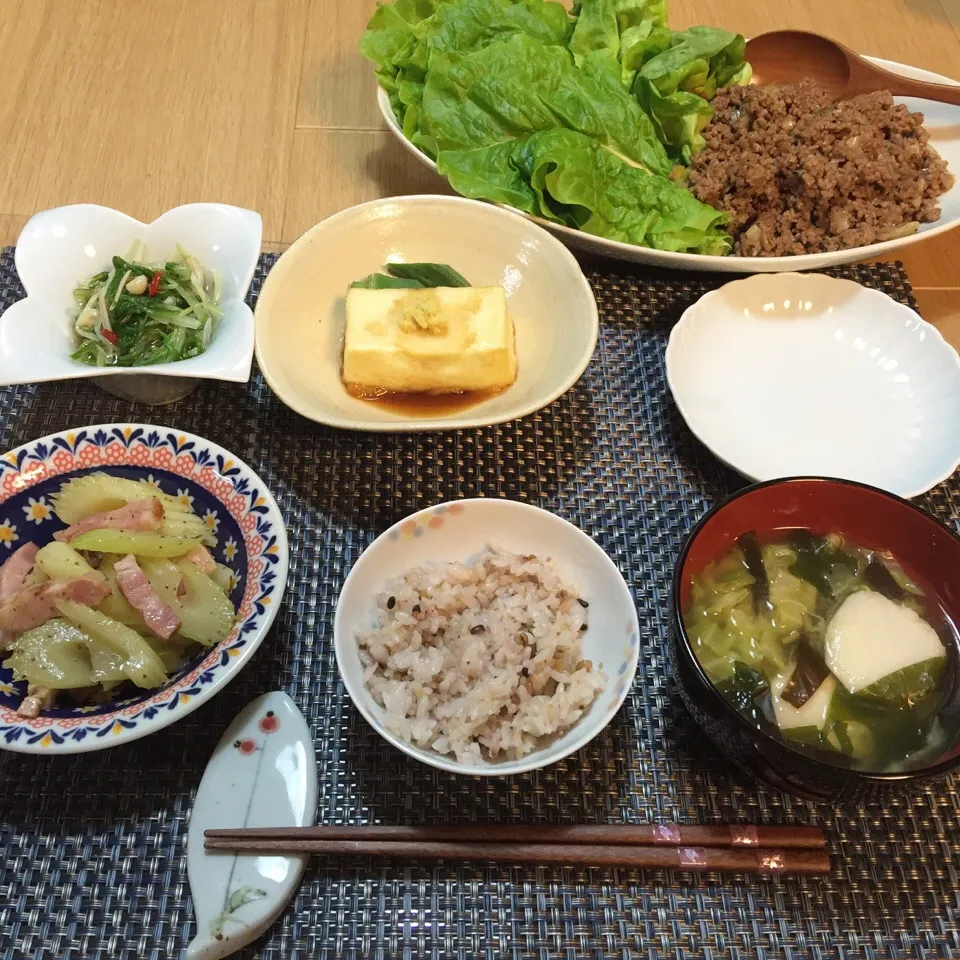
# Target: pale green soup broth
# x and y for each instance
(865, 681)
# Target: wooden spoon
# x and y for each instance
(788, 56)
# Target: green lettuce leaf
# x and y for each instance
(577, 118)
(489, 173)
(391, 41)
(600, 24)
(404, 37)
(672, 74)
(569, 178)
(596, 30)
(698, 60)
(461, 26)
(679, 118)
(676, 74)
(630, 13)
(635, 45)
(614, 28)
(519, 86)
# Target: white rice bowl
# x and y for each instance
(461, 702)
(480, 659)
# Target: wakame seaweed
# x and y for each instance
(753, 560)
(807, 676)
(879, 578)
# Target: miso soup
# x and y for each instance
(830, 646)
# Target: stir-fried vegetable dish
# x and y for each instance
(126, 594)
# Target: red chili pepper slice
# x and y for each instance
(154, 287)
(110, 335)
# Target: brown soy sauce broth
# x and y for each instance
(421, 405)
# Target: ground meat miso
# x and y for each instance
(799, 174)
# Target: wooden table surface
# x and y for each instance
(145, 104)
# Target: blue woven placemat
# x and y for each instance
(92, 861)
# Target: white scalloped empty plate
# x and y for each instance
(806, 375)
(59, 248)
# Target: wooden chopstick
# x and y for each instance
(696, 859)
(669, 834)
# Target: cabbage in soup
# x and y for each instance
(830, 646)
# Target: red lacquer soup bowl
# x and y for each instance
(867, 517)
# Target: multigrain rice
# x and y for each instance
(480, 659)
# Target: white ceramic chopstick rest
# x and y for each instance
(263, 773)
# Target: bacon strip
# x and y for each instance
(13, 574)
(139, 515)
(15, 571)
(36, 701)
(134, 585)
(38, 604)
(203, 559)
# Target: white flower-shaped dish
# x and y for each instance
(807, 375)
(460, 531)
(300, 313)
(60, 248)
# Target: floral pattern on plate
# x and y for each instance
(263, 773)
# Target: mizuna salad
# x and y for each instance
(137, 314)
(127, 593)
(587, 119)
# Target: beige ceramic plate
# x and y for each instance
(300, 312)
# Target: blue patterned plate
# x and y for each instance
(233, 502)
